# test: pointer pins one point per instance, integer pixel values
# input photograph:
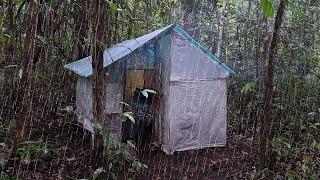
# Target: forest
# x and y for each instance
(270, 113)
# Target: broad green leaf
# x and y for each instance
(113, 7)
(128, 115)
(146, 91)
(267, 7)
(97, 172)
(144, 94)
(247, 88)
(150, 91)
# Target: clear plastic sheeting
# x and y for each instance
(188, 62)
(141, 59)
(114, 95)
(190, 107)
(196, 115)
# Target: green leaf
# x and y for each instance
(144, 94)
(42, 39)
(1, 22)
(291, 175)
(150, 91)
(137, 165)
(131, 144)
(97, 172)
(124, 103)
(68, 109)
(146, 91)
(20, 73)
(113, 7)
(267, 7)
(130, 4)
(17, 2)
(129, 115)
(248, 87)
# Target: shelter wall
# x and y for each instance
(114, 95)
(189, 62)
(196, 116)
(141, 59)
(195, 110)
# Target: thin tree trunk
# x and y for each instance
(265, 40)
(188, 21)
(80, 49)
(23, 97)
(266, 133)
(22, 105)
(257, 41)
(221, 25)
(9, 44)
(98, 30)
(131, 19)
(238, 34)
(257, 55)
(246, 32)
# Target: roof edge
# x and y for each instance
(165, 30)
(203, 49)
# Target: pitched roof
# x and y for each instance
(83, 67)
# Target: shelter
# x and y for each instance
(189, 109)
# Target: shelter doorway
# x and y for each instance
(142, 107)
(138, 79)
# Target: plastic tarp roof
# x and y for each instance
(83, 67)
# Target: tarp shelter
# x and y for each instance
(191, 85)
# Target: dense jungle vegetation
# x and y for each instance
(273, 98)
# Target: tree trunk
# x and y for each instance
(246, 33)
(23, 101)
(257, 55)
(257, 42)
(221, 25)
(264, 53)
(80, 49)
(188, 21)
(131, 23)
(266, 129)
(8, 45)
(98, 30)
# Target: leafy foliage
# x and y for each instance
(267, 7)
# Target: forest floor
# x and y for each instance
(69, 154)
(58, 148)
